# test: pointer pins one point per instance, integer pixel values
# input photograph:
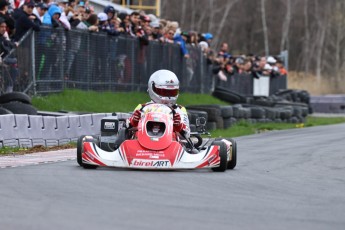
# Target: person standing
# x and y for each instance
(40, 9)
(25, 20)
(7, 17)
(10, 62)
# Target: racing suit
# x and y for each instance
(181, 126)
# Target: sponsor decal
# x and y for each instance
(154, 139)
(109, 125)
(151, 163)
(89, 155)
(211, 159)
(149, 153)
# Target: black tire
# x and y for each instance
(283, 92)
(237, 111)
(227, 123)
(211, 125)
(233, 162)
(286, 114)
(226, 111)
(15, 96)
(79, 154)
(305, 111)
(233, 120)
(257, 112)
(219, 123)
(246, 113)
(223, 157)
(4, 111)
(262, 102)
(242, 97)
(294, 120)
(228, 96)
(80, 150)
(270, 113)
(212, 112)
(277, 104)
(297, 111)
(194, 114)
(17, 107)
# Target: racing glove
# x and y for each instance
(134, 120)
(178, 125)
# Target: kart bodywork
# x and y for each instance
(153, 145)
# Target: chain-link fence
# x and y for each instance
(55, 59)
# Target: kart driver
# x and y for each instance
(163, 88)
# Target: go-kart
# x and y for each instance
(154, 145)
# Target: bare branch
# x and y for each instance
(264, 27)
(222, 22)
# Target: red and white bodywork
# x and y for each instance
(154, 146)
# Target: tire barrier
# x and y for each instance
(289, 106)
(34, 127)
(16, 103)
(15, 96)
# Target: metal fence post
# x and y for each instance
(33, 58)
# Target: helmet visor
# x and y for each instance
(165, 92)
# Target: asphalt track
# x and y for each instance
(293, 179)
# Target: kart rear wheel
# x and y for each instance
(80, 150)
(223, 157)
(233, 162)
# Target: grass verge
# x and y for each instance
(89, 101)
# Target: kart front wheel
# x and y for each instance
(80, 150)
(223, 157)
(232, 163)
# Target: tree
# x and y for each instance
(264, 27)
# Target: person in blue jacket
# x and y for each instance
(48, 47)
(181, 39)
(51, 17)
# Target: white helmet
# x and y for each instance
(163, 87)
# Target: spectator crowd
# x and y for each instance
(18, 16)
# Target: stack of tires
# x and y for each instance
(217, 116)
(16, 103)
(290, 106)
